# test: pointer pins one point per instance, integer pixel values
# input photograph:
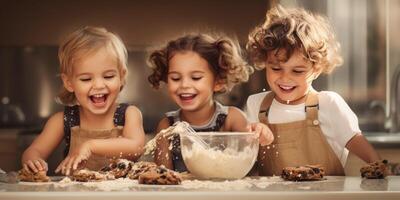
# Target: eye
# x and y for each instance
(174, 78)
(196, 78)
(298, 71)
(85, 79)
(275, 68)
(109, 76)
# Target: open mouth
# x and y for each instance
(98, 99)
(285, 88)
(187, 97)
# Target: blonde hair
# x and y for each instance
(293, 30)
(222, 54)
(83, 42)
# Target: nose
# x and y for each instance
(185, 83)
(98, 83)
(285, 76)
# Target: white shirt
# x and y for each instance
(337, 121)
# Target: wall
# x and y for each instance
(139, 22)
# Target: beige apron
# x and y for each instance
(296, 143)
(79, 136)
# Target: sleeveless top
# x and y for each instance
(215, 124)
(72, 119)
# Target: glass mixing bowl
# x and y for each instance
(230, 155)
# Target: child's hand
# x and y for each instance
(74, 158)
(263, 132)
(35, 165)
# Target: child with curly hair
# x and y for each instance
(196, 67)
(93, 66)
(295, 47)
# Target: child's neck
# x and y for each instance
(294, 102)
(297, 101)
(89, 120)
(200, 116)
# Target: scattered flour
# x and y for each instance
(121, 184)
(224, 185)
(126, 184)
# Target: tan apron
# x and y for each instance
(296, 143)
(79, 136)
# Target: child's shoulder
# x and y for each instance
(236, 119)
(57, 115)
(132, 110)
(330, 97)
(235, 114)
(257, 97)
(332, 102)
(232, 110)
(56, 118)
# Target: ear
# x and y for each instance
(219, 86)
(67, 83)
(123, 77)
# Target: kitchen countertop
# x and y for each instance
(333, 187)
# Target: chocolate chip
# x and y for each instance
(162, 170)
(121, 166)
(106, 169)
(316, 170)
(364, 174)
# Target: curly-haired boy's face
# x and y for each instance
(95, 81)
(290, 80)
(191, 83)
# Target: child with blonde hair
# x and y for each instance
(93, 66)
(295, 47)
(195, 67)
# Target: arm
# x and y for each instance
(162, 154)
(362, 148)
(51, 136)
(238, 122)
(235, 121)
(129, 146)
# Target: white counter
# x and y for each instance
(247, 189)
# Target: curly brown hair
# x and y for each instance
(222, 54)
(293, 30)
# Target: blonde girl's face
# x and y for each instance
(291, 80)
(96, 81)
(191, 83)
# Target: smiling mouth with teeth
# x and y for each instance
(186, 97)
(287, 88)
(98, 98)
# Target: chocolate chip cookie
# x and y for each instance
(375, 170)
(303, 173)
(85, 175)
(139, 168)
(160, 175)
(119, 168)
(28, 176)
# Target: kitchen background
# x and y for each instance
(31, 30)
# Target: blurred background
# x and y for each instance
(32, 29)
